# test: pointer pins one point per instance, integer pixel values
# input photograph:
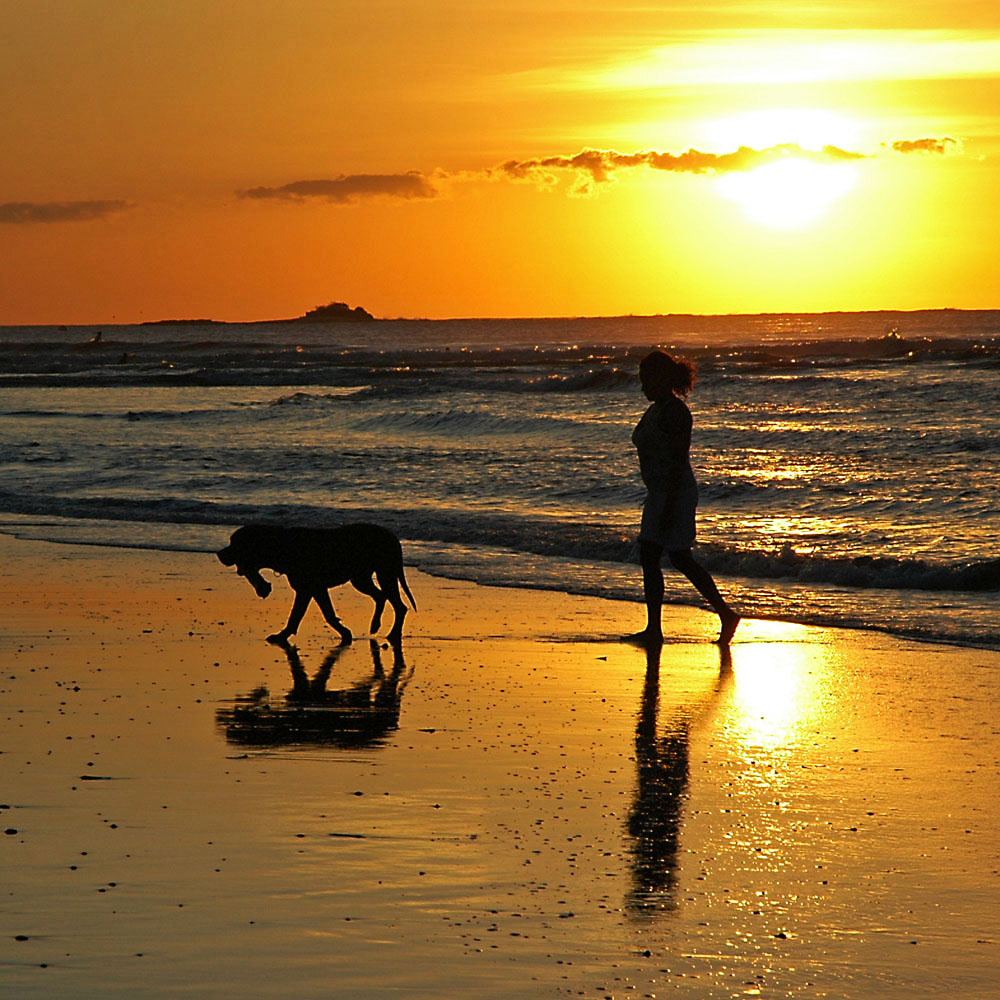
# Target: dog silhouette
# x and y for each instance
(316, 559)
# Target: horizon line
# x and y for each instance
(514, 319)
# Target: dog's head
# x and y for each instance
(244, 552)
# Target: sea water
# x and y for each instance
(849, 463)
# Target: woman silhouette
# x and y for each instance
(663, 439)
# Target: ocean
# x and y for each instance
(848, 463)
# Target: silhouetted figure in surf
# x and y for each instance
(663, 439)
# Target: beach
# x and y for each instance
(847, 476)
(555, 302)
(512, 804)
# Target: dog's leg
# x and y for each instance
(366, 585)
(326, 606)
(390, 592)
(302, 599)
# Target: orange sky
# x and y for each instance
(422, 158)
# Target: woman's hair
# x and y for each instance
(678, 373)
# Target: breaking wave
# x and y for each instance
(543, 536)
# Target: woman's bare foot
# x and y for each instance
(730, 620)
(647, 637)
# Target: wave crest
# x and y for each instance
(538, 535)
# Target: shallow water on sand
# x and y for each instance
(849, 472)
(199, 813)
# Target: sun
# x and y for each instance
(788, 193)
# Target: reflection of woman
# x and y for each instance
(663, 440)
(656, 819)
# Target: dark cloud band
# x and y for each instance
(601, 163)
(29, 213)
(351, 187)
(590, 166)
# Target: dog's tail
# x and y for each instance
(406, 589)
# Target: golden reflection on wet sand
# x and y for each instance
(779, 690)
(510, 802)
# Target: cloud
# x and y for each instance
(597, 166)
(745, 158)
(29, 213)
(589, 169)
(591, 166)
(932, 145)
(351, 187)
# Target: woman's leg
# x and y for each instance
(682, 560)
(652, 592)
(652, 585)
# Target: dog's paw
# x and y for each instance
(278, 639)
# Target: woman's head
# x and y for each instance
(660, 373)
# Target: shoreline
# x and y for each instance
(513, 796)
(745, 585)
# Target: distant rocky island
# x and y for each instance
(332, 312)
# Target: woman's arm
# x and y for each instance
(675, 425)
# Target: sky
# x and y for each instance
(248, 159)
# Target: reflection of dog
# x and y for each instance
(362, 714)
(316, 559)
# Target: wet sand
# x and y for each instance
(518, 805)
